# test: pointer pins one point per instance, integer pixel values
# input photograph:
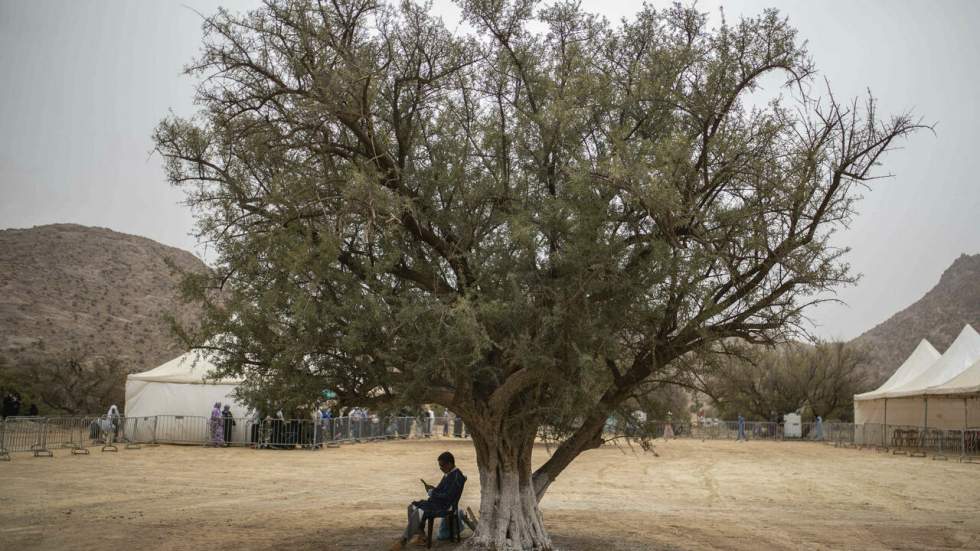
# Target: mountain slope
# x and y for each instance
(938, 316)
(66, 286)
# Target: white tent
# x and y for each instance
(869, 407)
(910, 398)
(917, 363)
(960, 355)
(960, 394)
(181, 393)
(966, 383)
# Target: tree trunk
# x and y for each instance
(509, 516)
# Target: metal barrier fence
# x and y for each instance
(911, 440)
(4, 454)
(70, 432)
(40, 435)
(26, 434)
(273, 432)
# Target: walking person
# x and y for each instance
(217, 426)
(741, 428)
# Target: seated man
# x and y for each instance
(441, 497)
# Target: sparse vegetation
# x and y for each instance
(58, 298)
(938, 316)
(764, 382)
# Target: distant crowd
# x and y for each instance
(274, 425)
(12, 405)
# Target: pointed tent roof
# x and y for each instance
(967, 382)
(917, 363)
(189, 368)
(964, 352)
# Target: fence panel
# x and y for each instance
(26, 434)
(341, 430)
(274, 433)
(135, 431)
(70, 432)
(181, 429)
(41, 434)
(4, 454)
(840, 434)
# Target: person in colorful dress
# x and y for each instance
(217, 426)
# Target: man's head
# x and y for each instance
(446, 462)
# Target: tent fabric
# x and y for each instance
(930, 396)
(179, 387)
(869, 411)
(917, 363)
(944, 412)
(912, 411)
(964, 352)
(145, 399)
(190, 368)
(967, 382)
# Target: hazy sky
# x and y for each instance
(83, 83)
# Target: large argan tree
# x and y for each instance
(525, 222)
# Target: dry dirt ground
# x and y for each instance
(695, 495)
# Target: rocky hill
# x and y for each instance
(938, 316)
(68, 287)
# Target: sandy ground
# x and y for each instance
(695, 495)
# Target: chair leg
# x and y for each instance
(428, 538)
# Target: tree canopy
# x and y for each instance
(760, 382)
(526, 227)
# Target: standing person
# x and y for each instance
(116, 419)
(458, 427)
(326, 428)
(356, 421)
(110, 425)
(741, 428)
(229, 422)
(331, 424)
(217, 426)
(254, 421)
(430, 421)
(639, 422)
(8, 403)
(33, 410)
(446, 416)
(669, 427)
(818, 429)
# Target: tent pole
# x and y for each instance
(925, 422)
(884, 427)
(963, 443)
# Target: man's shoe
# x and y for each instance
(397, 546)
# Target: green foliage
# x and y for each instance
(762, 383)
(527, 228)
(74, 383)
